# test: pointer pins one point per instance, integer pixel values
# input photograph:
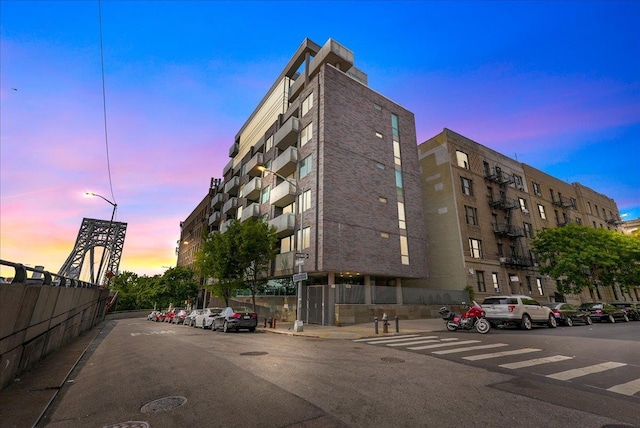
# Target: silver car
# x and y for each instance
(521, 311)
(205, 319)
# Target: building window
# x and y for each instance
(404, 250)
(486, 169)
(306, 134)
(306, 238)
(265, 195)
(475, 248)
(380, 165)
(589, 208)
(307, 104)
(467, 186)
(517, 180)
(384, 235)
(402, 223)
(536, 188)
(462, 159)
(305, 167)
(305, 200)
(482, 287)
(539, 284)
(496, 283)
(382, 200)
(471, 215)
(394, 125)
(543, 215)
(396, 153)
(528, 230)
(529, 288)
(268, 144)
(379, 135)
(286, 244)
(523, 205)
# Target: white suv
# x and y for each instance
(521, 311)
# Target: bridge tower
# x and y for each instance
(108, 235)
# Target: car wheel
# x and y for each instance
(225, 327)
(611, 319)
(252, 329)
(526, 322)
(569, 322)
(588, 320)
(552, 321)
(626, 318)
(203, 325)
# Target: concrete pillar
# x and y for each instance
(399, 291)
(367, 290)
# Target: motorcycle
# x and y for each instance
(473, 318)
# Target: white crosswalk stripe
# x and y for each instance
(440, 345)
(500, 354)
(469, 348)
(427, 339)
(374, 340)
(583, 371)
(629, 388)
(529, 363)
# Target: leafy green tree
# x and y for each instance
(257, 247)
(580, 257)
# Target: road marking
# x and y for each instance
(571, 374)
(500, 354)
(629, 388)
(469, 348)
(440, 345)
(535, 362)
(376, 339)
(426, 339)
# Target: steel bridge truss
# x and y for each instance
(108, 235)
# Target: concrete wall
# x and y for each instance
(35, 320)
(360, 314)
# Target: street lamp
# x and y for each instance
(297, 239)
(113, 213)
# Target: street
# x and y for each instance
(211, 379)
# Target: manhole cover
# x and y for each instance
(162, 404)
(254, 353)
(392, 360)
(129, 424)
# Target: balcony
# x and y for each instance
(283, 194)
(252, 210)
(227, 168)
(253, 165)
(562, 202)
(285, 224)
(500, 177)
(214, 219)
(230, 206)
(225, 226)
(516, 262)
(252, 189)
(217, 200)
(287, 135)
(234, 149)
(504, 203)
(508, 230)
(232, 186)
(286, 163)
(284, 264)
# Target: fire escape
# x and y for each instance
(505, 229)
(563, 218)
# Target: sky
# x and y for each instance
(553, 84)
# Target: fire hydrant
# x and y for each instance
(385, 323)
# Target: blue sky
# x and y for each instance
(555, 84)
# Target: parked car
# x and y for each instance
(190, 318)
(179, 317)
(205, 319)
(605, 312)
(152, 316)
(517, 310)
(160, 316)
(172, 313)
(235, 319)
(632, 309)
(567, 314)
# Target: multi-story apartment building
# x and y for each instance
(482, 209)
(192, 230)
(333, 165)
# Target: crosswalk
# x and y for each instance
(475, 350)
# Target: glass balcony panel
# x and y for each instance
(284, 264)
(285, 224)
(286, 163)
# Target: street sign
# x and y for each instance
(299, 262)
(300, 277)
(302, 255)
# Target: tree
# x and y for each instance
(580, 257)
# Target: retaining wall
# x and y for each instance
(35, 320)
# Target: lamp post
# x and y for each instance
(113, 213)
(299, 228)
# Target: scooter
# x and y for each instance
(473, 318)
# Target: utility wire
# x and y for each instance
(104, 103)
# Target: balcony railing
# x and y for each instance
(562, 202)
(285, 224)
(214, 219)
(217, 200)
(284, 264)
(516, 262)
(287, 135)
(225, 226)
(252, 210)
(285, 164)
(227, 168)
(230, 206)
(254, 163)
(232, 186)
(234, 149)
(283, 194)
(504, 203)
(252, 189)
(508, 230)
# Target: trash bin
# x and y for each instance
(298, 326)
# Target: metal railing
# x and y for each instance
(42, 277)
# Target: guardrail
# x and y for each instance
(42, 277)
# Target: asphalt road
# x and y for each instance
(139, 373)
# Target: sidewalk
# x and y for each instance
(23, 403)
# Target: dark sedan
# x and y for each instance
(568, 314)
(605, 312)
(632, 309)
(235, 319)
